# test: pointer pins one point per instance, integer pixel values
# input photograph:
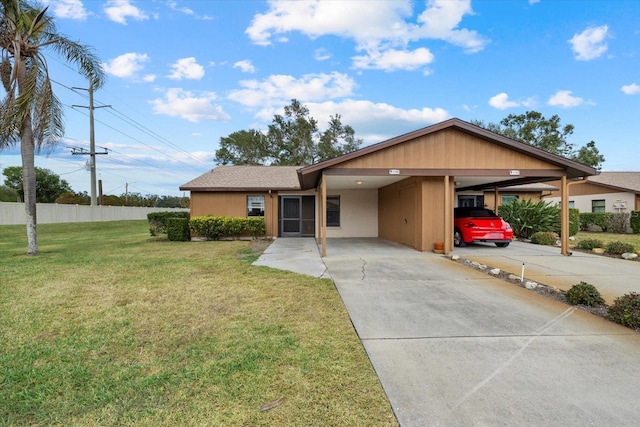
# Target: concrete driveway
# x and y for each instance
(456, 347)
(613, 277)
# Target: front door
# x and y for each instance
(291, 216)
(297, 216)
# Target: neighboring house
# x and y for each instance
(617, 192)
(487, 199)
(403, 189)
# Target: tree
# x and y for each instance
(337, 139)
(8, 194)
(30, 113)
(244, 147)
(292, 139)
(589, 155)
(71, 198)
(547, 134)
(49, 186)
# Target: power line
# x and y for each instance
(116, 113)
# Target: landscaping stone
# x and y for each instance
(494, 271)
(598, 250)
(530, 285)
(629, 255)
(455, 257)
(514, 277)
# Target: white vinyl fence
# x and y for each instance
(48, 213)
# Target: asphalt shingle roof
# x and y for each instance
(629, 181)
(238, 178)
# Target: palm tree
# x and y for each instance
(31, 114)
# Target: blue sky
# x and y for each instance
(183, 74)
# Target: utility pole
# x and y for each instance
(92, 142)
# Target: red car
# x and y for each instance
(480, 225)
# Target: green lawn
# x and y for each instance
(633, 239)
(109, 326)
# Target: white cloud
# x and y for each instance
(185, 104)
(245, 65)
(373, 122)
(387, 27)
(321, 54)
(440, 21)
(501, 102)
(631, 89)
(590, 44)
(565, 99)
(71, 9)
(361, 113)
(174, 5)
(280, 88)
(186, 68)
(126, 65)
(391, 59)
(119, 10)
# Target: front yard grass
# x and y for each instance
(109, 326)
(633, 239)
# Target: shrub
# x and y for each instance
(626, 310)
(574, 221)
(600, 219)
(635, 222)
(618, 222)
(547, 238)
(527, 217)
(618, 248)
(590, 244)
(585, 294)
(215, 227)
(158, 220)
(178, 229)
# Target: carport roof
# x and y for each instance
(309, 176)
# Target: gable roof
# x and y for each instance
(626, 181)
(309, 175)
(246, 178)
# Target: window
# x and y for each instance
(255, 205)
(333, 211)
(508, 199)
(598, 206)
(572, 204)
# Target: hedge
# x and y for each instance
(215, 227)
(635, 222)
(158, 220)
(178, 229)
(607, 221)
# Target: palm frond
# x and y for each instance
(88, 61)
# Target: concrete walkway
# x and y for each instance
(300, 255)
(456, 347)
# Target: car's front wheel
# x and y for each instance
(457, 239)
(502, 244)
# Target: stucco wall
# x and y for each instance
(358, 213)
(583, 202)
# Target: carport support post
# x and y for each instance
(323, 215)
(564, 217)
(448, 214)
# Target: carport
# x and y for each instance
(411, 182)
